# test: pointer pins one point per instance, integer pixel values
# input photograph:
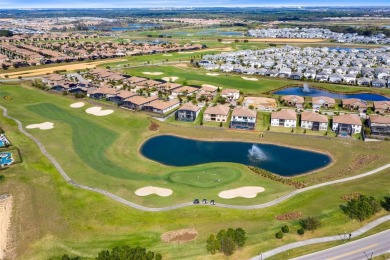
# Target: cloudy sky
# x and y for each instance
(181, 3)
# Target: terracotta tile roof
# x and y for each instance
(354, 102)
(378, 119)
(218, 110)
(382, 104)
(288, 114)
(243, 111)
(313, 117)
(185, 88)
(263, 101)
(294, 98)
(140, 100)
(190, 107)
(227, 91)
(349, 119)
(159, 104)
(329, 100)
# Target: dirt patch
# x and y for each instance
(153, 126)
(289, 216)
(179, 236)
(351, 196)
(181, 65)
(5, 220)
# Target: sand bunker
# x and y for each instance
(97, 111)
(209, 86)
(227, 42)
(77, 104)
(252, 79)
(149, 190)
(5, 220)
(185, 52)
(152, 73)
(167, 55)
(244, 192)
(171, 79)
(212, 74)
(179, 236)
(42, 126)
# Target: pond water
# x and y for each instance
(311, 92)
(285, 161)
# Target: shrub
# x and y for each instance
(226, 241)
(301, 231)
(385, 203)
(279, 235)
(285, 229)
(310, 223)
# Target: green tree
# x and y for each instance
(228, 246)
(361, 208)
(310, 223)
(158, 257)
(285, 229)
(385, 203)
(301, 231)
(279, 235)
(2, 178)
(240, 237)
(212, 244)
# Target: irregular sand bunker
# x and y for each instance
(97, 111)
(168, 55)
(172, 79)
(185, 52)
(152, 73)
(227, 42)
(77, 104)
(244, 192)
(42, 126)
(252, 79)
(212, 74)
(5, 220)
(209, 86)
(179, 236)
(149, 190)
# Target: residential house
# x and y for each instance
(243, 118)
(354, 104)
(260, 103)
(347, 124)
(379, 125)
(184, 90)
(314, 121)
(284, 117)
(137, 102)
(230, 94)
(293, 100)
(378, 83)
(218, 113)
(322, 101)
(382, 106)
(161, 107)
(188, 113)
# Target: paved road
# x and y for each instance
(186, 204)
(364, 248)
(337, 237)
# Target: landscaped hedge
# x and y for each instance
(277, 178)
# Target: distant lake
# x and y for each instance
(298, 91)
(136, 26)
(285, 161)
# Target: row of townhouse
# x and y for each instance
(343, 124)
(369, 67)
(318, 33)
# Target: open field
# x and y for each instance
(50, 227)
(70, 67)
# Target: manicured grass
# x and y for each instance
(52, 218)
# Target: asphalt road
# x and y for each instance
(361, 249)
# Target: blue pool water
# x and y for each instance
(298, 91)
(5, 158)
(285, 161)
(2, 144)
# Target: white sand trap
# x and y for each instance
(5, 220)
(77, 104)
(42, 126)
(248, 192)
(185, 52)
(227, 42)
(152, 73)
(212, 74)
(149, 190)
(252, 79)
(171, 79)
(195, 41)
(168, 55)
(97, 111)
(209, 86)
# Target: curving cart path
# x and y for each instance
(186, 204)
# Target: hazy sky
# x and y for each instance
(180, 3)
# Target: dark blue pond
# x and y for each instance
(285, 161)
(136, 26)
(311, 92)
